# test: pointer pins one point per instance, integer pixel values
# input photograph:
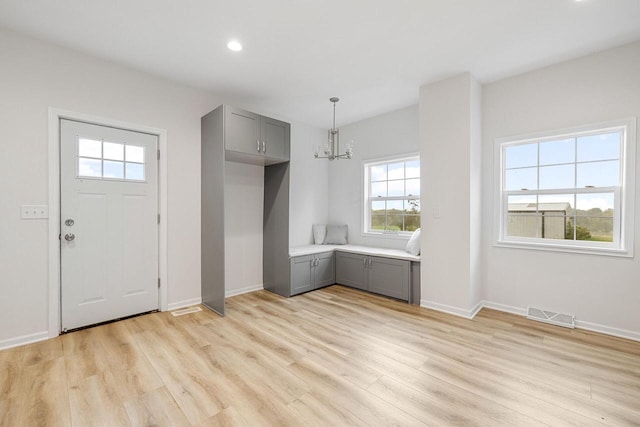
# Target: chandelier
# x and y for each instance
(332, 147)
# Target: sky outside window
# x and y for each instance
(581, 162)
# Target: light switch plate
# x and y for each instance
(34, 211)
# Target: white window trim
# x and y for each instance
(626, 199)
(364, 214)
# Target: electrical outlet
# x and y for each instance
(34, 211)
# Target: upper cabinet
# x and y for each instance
(256, 139)
(275, 138)
(242, 131)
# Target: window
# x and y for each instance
(392, 196)
(569, 190)
(110, 160)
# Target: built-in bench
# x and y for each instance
(390, 272)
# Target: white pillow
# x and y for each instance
(336, 235)
(319, 233)
(413, 245)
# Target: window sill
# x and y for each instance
(394, 236)
(565, 248)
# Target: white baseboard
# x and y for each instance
(470, 314)
(184, 303)
(245, 290)
(227, 294)
(456, 311)
(608, 330)
(24, 339)
(593, 327)
(506, 308)
(476, 308)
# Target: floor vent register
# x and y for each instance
(546, 316)
(187, 310)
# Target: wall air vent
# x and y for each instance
(559, 319)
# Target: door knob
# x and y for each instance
(69, 237)
(69, 222)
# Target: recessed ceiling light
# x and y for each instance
(234, 45)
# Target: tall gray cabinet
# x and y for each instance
(212, 210)
(275, 237)
(237, 135)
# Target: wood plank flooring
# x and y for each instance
(333, 357)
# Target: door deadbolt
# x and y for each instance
(69, 237)
(69, 222)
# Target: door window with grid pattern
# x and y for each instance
(110, 160)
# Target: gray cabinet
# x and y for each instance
(232, 134)
(242, 131)
(252, 138)
(324, 272)
(276, 137)
(275, 237)
(311, 272)
(385, 276)
(415, 283)
(212, 211)
(351, 270)
(301, 274)
(390, 277)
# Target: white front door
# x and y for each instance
(109, 226)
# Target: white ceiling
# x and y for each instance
(373, 54)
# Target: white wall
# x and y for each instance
(309, 188)
(243, 211)
(450, 171)
(35, 76)
(603, 292)
(390, 134)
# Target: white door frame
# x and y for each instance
(55, 114)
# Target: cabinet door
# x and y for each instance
(301, 274)
(325, 270)
(350, 270)
(275, 137)
(242, 131)
(390, 277)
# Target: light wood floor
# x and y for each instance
(333, 357)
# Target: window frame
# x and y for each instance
(624, 195)
(365, 185)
